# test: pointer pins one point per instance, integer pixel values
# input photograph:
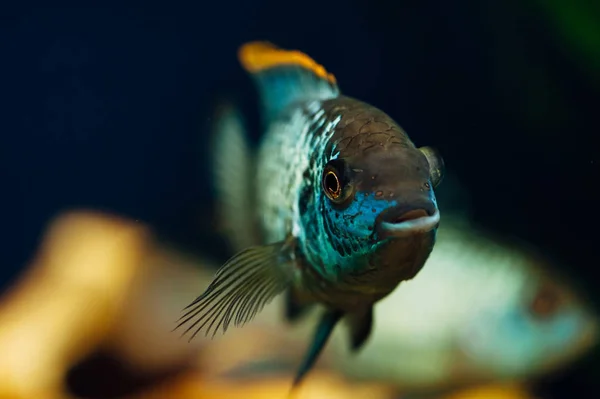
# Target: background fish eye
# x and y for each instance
(546, 302)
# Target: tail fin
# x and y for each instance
(233, 177)
(285, 76)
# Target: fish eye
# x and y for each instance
(331, 183)
(546, 302)
(436, 165)
(334, 183)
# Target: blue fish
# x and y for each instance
(336, 207)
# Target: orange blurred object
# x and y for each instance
(97, 281)
(66, 302)
(492, 392)
(321, 385)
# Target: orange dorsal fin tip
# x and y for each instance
(261, 55)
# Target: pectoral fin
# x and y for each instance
(360, 328)
(241, 288)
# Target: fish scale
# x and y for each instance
(303, 137)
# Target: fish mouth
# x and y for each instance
(405, 221)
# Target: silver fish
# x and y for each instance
(484, 308)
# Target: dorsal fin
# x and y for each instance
(285, 76)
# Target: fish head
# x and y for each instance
(379, 206)
(539, 327)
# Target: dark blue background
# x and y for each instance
(107, 107)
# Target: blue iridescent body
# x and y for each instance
(339, 211)
(326, 236)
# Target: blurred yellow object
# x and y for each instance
(166, 282)
(67, 301)
(320, 385)
(492, 392)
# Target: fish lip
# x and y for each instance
(421, 219)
